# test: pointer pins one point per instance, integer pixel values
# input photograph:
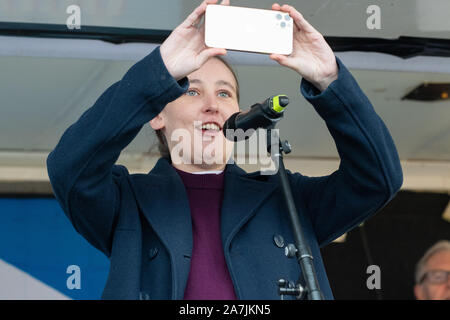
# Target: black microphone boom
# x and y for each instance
(260, 115)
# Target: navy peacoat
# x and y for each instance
(142, 221)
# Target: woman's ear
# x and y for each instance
(157, 122)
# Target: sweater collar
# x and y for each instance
(201, 181)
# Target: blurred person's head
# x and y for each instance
(212, 97)
(432, 273)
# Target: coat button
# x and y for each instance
(279, 241)
(152, 253)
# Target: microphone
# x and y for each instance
(260, 115)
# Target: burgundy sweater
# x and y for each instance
(209, 278)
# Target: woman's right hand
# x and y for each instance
(184, 51)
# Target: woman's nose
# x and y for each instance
(210, 105)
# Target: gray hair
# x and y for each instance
(442, 245)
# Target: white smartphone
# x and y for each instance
(248, 29)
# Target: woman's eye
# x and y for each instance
(191, 93)
(225, 94)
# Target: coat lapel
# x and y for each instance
(163, 200)
(242, 197)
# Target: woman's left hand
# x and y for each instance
(311, 57)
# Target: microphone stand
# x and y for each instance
(300, 250)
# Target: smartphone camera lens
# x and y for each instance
(287, 18)
(278, 16)
(283, 24)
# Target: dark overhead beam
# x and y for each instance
(404, 47)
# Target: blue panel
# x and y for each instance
(37, 237)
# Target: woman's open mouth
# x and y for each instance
(210, 128)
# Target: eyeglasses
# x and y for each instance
(436, 276)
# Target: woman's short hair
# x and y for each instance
(163, 146)
(443, 245)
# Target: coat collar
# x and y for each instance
(163, 200)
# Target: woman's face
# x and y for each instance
(192, 124)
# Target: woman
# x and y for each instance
(173, 234)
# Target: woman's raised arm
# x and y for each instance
(81, 168)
